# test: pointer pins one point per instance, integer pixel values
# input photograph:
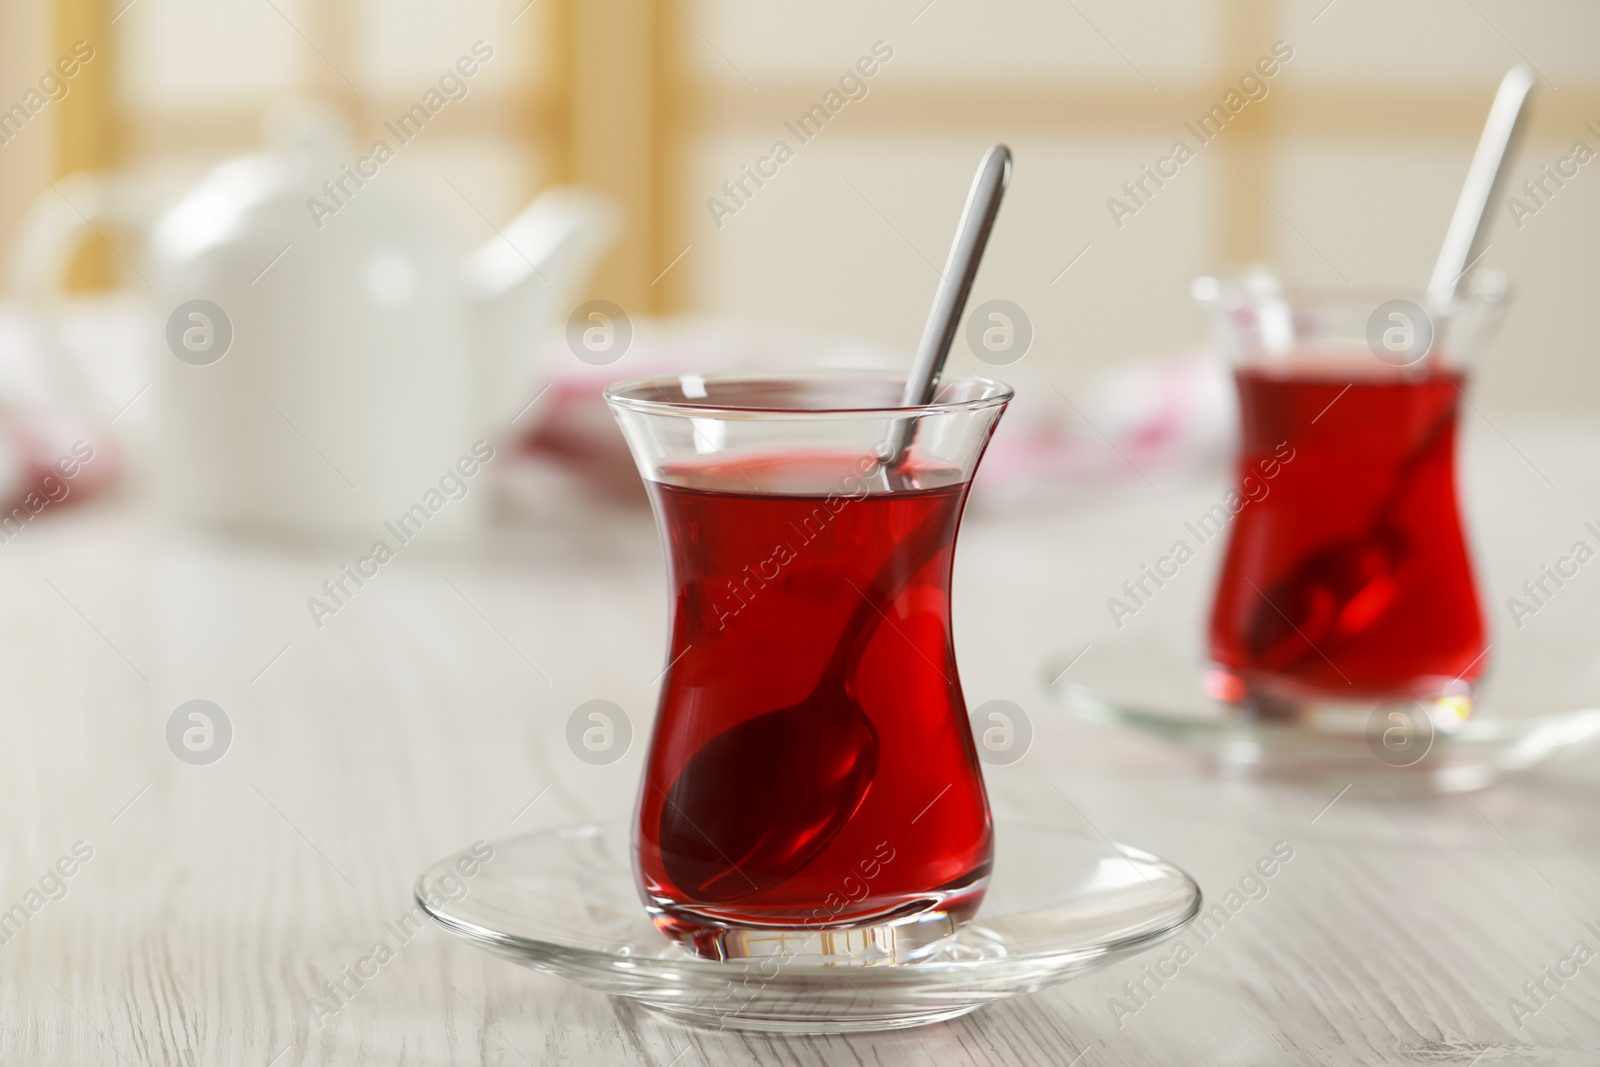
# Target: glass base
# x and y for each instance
(1542, 698)
(906, 933)
(1445, 701)
(1399, 728)
(564, 902)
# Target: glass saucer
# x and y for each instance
(564, 901)
(1540, 697)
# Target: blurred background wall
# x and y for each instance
(1344, 173)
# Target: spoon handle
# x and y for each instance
(966, 252)
(1464, 241)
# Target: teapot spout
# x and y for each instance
(524, 282)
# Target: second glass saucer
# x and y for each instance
(565, 902)
(1540, 697)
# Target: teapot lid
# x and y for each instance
(307, 126)
(304, 134)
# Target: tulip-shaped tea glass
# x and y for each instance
(812, 785)
(1347, 582)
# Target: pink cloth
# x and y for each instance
(1141, 421)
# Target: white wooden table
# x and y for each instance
(431, 710)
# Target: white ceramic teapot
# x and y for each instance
(321, 374)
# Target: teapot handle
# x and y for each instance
(57, 223)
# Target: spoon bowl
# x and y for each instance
(718, 846)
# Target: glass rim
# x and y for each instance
(1486, 287)
(999, 393)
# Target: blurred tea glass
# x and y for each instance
(1347, 579)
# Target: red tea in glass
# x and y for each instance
(1350, 575)
(1347, 576)
(811, 767)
